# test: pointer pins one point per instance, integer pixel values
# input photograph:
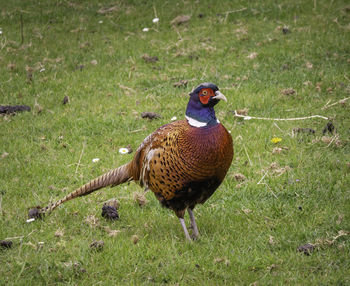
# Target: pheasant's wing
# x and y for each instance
(157, 161)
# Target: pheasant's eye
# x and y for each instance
(205, 92)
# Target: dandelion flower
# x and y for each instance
(145, 29)
(123, 151)
(95, 160)
(276, 140)
(155, 20)
(173, 118)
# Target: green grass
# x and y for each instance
(249, 234)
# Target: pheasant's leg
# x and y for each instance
(193, 224)
(182, 221)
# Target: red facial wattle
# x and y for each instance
(205, 95)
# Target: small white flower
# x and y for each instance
(173, 118)
(43, 69)
(155, 20)
(30, 220)
(100, 22)
(123, 151)
(145, 30)
(0, 32)
(252, 56)
(95, 160)
(229, 131)
(41, 243)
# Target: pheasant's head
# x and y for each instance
(200, 109)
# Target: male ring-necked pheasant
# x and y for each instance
(182, 162)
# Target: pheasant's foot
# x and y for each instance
(195, 233)
(182, 221)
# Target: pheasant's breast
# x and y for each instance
(186, 159)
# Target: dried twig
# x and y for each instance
(127, 88)
(340, 101)
(278, 127)
(279, 119)
(258, 183)
(3, 43)
(21, 236)
(138, 130)
(325, 106)
(245, 150)
(336, 137)
(180, 37)
(234, 11)
(155, 11)
(204, 72)
(81, 155)
(266, 184)
(22, 36)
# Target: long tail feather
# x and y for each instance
(112, 178)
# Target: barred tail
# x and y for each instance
(112, 178)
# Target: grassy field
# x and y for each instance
(276, 59)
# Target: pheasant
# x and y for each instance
(182, 162)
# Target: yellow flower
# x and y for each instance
(275, 140)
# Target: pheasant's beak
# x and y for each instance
(219, 95)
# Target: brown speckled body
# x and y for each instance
(183, 165)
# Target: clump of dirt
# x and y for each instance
(109, 212)
(5, 244)
(9, 109)
(239, 177)
(150, 115)
(135, 239)
(278, 150)
(130, 150)
(35, 213)
(97, 245)
(277, 170)
(181, 83)
(288, 91)
(113, 203)
(306, 248)
(285, 30)
(65, 99)
(140, 199)
(148, 59)
(243, 111)
(107, 10)
(181, 19)
(304, 130)
(328, 128)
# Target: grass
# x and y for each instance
(250, 232)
